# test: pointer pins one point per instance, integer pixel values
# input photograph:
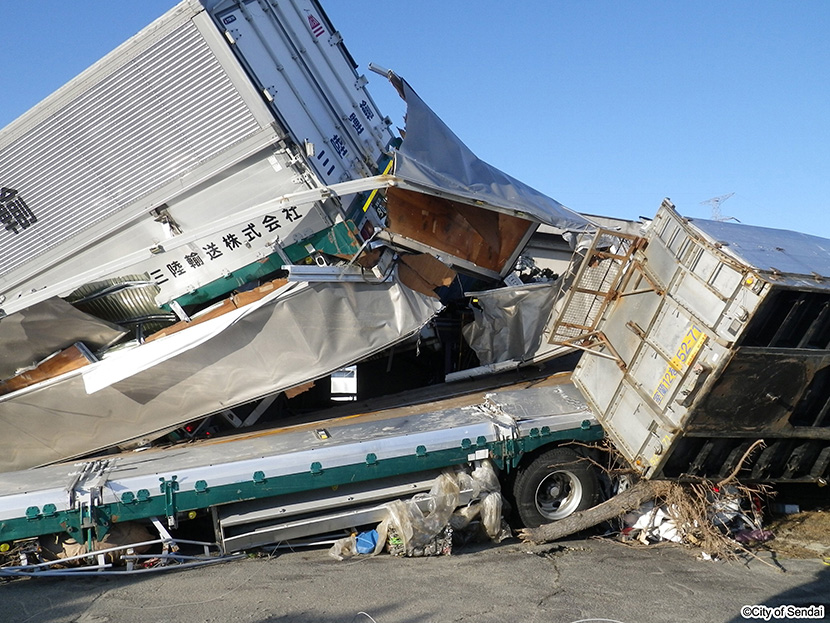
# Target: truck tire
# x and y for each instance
(554, 485)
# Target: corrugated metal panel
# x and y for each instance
(127, 301)
(159, 115)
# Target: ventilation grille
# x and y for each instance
(156, 117)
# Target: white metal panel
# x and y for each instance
(778, 251)
(224, 242)
(695, 296)
(316, 94)
(599, 380)
(298, 333)
(629, 422)
(153, 118)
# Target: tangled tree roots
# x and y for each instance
(692, 506)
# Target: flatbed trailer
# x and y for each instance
(316, 476)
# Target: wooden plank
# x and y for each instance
(235, 301)
(67, 360)
(484, 237)
(424, 273)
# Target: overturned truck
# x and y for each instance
(702, 338)
(244, 225)
(210, 239)
(183, 238)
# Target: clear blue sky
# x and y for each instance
(605, 106)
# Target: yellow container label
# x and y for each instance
(683, 357)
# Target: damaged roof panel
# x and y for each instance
(433, 157)
(770, 250)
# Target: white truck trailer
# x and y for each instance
(146, 169)
(188, 222)
(707, 348)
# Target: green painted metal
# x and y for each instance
(171, 500)
(542, 437)
(340, 240)
(168, 489)
(225, 285)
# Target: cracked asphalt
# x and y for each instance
(581, 580)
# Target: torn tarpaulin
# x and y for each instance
(510, 322)
(434, 157)
(442, 199)
(298, 333)
(51, 325)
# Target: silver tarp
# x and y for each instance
(298, 333)
(46, 327)
(434, 157)
(509, 323)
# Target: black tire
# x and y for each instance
(554, 485)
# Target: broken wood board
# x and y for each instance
(484, 238)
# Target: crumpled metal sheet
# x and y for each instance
(433, 156)
(303, 332)
(510, 322)
(36, 332)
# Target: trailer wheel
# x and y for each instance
(554, 485)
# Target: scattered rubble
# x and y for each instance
(232, 283)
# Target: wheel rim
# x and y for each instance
(558, 495)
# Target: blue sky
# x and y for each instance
(605, 106)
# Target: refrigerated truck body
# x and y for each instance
(137, 167)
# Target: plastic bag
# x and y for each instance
(419, 521)
(344, 548)
(494, 525)
(366, 542)
(484, 474)
(425, 524)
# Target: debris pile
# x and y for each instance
(722, 520)
(300, 275)
(428, 523)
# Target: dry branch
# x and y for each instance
(634, 497)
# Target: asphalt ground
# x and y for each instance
(580, 580)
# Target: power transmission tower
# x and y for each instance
(715, 203)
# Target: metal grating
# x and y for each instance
(162, 113)
(592, 288)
